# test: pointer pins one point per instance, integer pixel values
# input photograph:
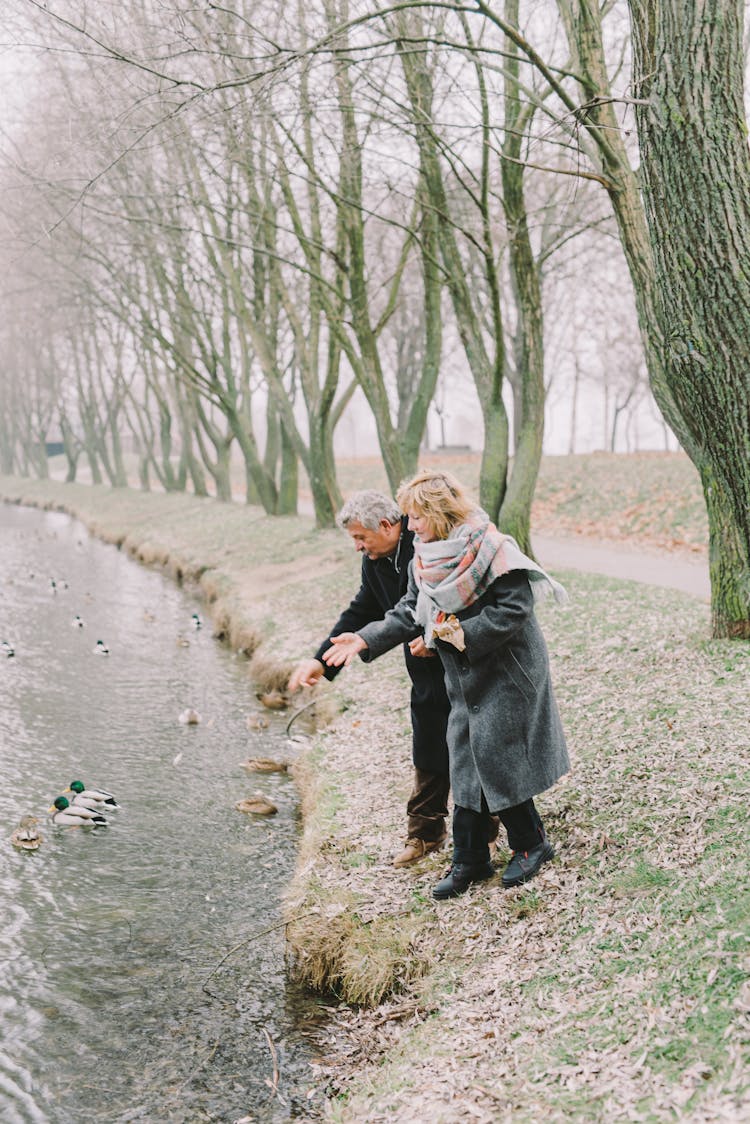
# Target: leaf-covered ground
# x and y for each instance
(615, 985)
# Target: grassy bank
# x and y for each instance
(612, 987)
(652, 500)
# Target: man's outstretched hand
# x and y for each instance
(344, 648)
(305, 674)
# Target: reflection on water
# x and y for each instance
(114, 1005)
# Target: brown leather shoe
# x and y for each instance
(416, 849)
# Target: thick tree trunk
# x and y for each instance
(695, 166)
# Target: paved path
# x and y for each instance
(623, 562)
(615, 561)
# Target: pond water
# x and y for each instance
(115, 1004)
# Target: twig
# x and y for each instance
(247, 940)
(297, 713)
(274, 1085)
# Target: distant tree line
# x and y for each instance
(218, 211)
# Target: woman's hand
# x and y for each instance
(345, 648)
(417, 647)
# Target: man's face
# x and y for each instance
(375, 544)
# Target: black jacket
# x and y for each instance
(384, 582)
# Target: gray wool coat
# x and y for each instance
(505, 737)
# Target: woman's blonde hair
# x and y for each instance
(439, 498)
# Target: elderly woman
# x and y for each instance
(471, 596)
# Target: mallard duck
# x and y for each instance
(90, 797)
(64, 814)
(195, 621)
(7, 649)
(101, 648)
(274, 700)
(26, 837)
(190, 717)
(256, 722)
(257, 804)
(265, 765)
(76, 622)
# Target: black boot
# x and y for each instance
(459, 878)
(525, 864)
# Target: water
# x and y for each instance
(113, 1004)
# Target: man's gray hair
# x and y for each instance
(368, 508)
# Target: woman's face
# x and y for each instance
(420, 525)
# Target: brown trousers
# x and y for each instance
(427, 809)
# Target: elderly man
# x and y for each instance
(379, 532)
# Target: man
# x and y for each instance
(379, 532)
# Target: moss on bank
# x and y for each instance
(613, 987)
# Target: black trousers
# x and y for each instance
(471, 831)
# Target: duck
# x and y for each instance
(182, 641)
(274, 700)
(7, 649)
(257, 804)
(76, 622)
(265, 765)
(101, 648)
(65, 815)
(195, 621)
(190, 717)
(149, 616)
(90, 797)
(256, 722)
(26, 837)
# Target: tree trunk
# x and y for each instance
(289, 476)
(515, 514)
(695, 167)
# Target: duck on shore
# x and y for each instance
(65, 815)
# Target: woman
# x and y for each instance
(471, 596)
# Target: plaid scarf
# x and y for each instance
(453, 573)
